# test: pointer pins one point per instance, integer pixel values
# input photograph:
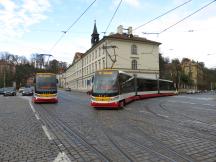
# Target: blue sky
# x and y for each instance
(33, 26)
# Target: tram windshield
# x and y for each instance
(105, 83)
(46, 83)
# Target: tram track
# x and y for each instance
(72, 134)
(196, 138)
(152, 144)
(185, 130)
(120, 141)
(128, 154)
(118, 150)
(164, 107)
(108, 131)
(144, 146)
(191, 131)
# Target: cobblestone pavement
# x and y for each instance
(21, 135)
(167, 129)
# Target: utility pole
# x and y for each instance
(107, 53)
(42, 59)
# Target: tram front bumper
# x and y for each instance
(45, 100)
(105, 105)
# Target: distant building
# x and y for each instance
(61, 80)
(195, 72)
(122, 51)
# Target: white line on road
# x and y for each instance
(62, 157)
(32, 107)
(192, 103)
(195, 98)
(163, 116)
(47, 132)
(37, 116)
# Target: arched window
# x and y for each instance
(134, 49)
(134, 64)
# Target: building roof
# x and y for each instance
(130, 38)
(117, 36)
(95, 29)
(77, 56)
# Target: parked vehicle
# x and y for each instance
(68, 89)
(1, 91)
(10, 91)
(191, 91)
(27, 92)
(21, 89)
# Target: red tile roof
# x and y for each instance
(131, 38)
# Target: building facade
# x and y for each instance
(121, 51)
(195, 72)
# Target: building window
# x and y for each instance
(96, 66)
(92, 67)
(99, 52)
(99, 64)
(134, 49)
(134, 64)
(103, 63)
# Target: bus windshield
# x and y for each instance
(46, 83)
(105, 83)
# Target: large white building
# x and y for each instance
(123, 51)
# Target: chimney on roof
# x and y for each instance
(129, 30)
(120, 29)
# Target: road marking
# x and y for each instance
(204, 108)
(32, 107)
(37, 116)
(163, 116)
(196, 98)
(47, 132)
(62, 157)
(209, 105)
(192, 103)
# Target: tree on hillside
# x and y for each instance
(163, 62)
(56, 66)
(176, 72)
(23, 72)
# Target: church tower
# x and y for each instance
(95, 35)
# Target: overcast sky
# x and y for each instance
(34, 26)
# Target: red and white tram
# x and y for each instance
(114, 88)
(45, 88)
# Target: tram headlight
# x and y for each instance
(114, 98)
(36, 95)
(93, 98)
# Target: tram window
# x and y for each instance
(146, 85)
(128, 86)
(123, 78)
